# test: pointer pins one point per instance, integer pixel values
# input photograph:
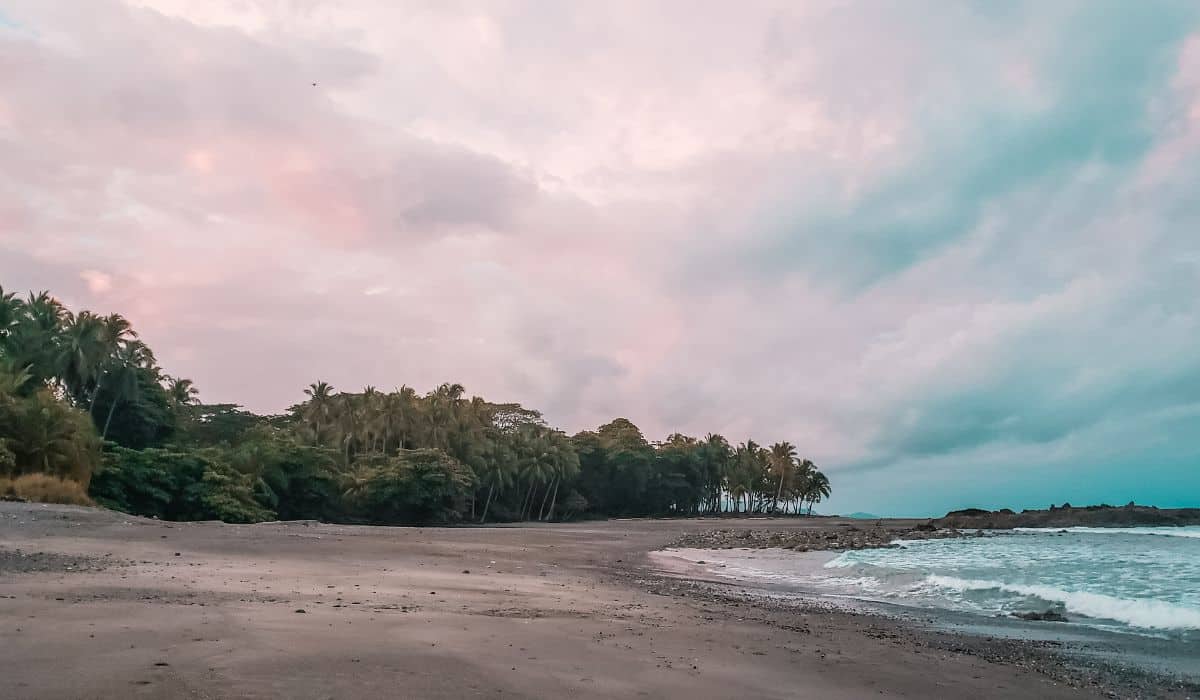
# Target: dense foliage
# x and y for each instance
(83, 399)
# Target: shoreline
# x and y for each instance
(145, 608)
(1078, 654)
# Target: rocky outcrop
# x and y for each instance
(1047, 616)
(1130, 515)
(814, 539)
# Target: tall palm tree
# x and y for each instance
(317, 411)
(371, 426)
(499, 473)
(347, 416)
(442, 413)
(818, 489)
(115, 332)
(83, 354)
(781, 461)
(133, 357)
(717, 456)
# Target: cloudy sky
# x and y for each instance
(950, 250)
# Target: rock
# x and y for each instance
(301, 610)
(1048, 616)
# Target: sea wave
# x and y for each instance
(1190, 532)
(1144, 613)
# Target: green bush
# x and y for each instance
(176, 485)
(416, 486)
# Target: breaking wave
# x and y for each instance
(1192, 532)
(1143, 613)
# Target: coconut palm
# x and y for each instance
(781, 461)
(10, 312)
(182, 392)
(132, 359)
(115, 332)
(818, 488)
(319, 408)
(83, 354)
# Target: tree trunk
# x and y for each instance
(95, 394)
(778, 493)
(488, 503)
(112, 407)
(545, 498)
(553, 500)
(528, 499)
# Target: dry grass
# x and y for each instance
(41, 488)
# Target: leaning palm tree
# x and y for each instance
(499, 473)
(133, 358)
(818, 489)
(115, 332)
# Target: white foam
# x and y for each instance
(1191, 532)
(1144, 613)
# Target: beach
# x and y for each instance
(99, 604)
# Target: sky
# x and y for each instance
(951, 250)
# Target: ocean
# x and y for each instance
(1143, 581)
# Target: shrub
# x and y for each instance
(42, 435)
(177, 485)
(43, 488)
(416, 486)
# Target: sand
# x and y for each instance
(97, 604)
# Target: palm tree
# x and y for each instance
(319, 407)
(717, 456)
(182, 392)
(443, 410)
(10, 311)
(498, 473)
(371, 426)
(115, 332)
(781, 461)
(133, 357)
(83, 354)
(818, 488)
(34, 336)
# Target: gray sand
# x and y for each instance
(114, 606)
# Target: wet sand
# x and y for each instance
(97, 604)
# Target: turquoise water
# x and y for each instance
(1144, 580)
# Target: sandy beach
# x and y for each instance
(97, 604)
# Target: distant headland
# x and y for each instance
(1066, 515)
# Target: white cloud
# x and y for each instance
(891, 239)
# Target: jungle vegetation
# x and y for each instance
(87, 415)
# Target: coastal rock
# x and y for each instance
(1047, 616)
(815, 539)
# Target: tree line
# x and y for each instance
(86, 414)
